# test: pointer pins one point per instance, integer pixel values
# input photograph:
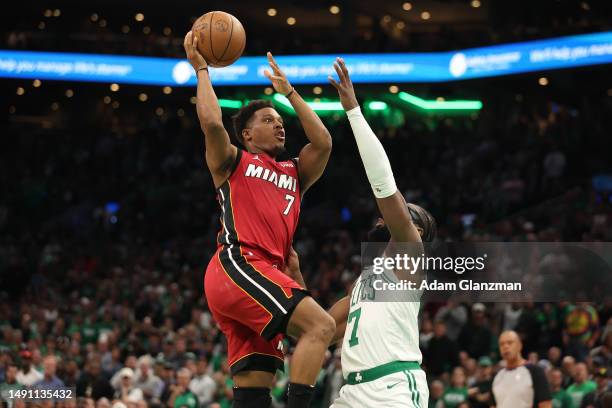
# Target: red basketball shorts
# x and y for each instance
(251, 301)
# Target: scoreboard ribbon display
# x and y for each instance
(507, 59)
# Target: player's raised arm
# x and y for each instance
(378, 169)
(220, 153)
(314, 156)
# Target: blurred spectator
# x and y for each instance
(334, 379)
(517, 384)
(426, 333)
(457, 392)
(92, 383)
(581, 386)
(602, 396)
(181, 396)
(454, 316)
(150, 384)
(511, 315)
(560, 398)
(554, 356)
(480, 393)
(581, 330)
(202, 384)
(602, 356)
(475, 337)
(103, 403)
(528, 327)
(442, 354)
(28, 375)
(436, 391)
(125, 390)
(49, 381)
(10, 384)
(568, 367)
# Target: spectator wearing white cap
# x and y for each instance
(126, 391)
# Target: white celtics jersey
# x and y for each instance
(380, 331)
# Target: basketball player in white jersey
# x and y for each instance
(380, 348)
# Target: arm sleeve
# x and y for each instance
(373, 156)
(541, 390)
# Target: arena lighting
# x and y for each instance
(322, 106)
(377, 105)
(230, 103)
(326, 106)
(432, 105)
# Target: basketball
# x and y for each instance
(221, 38)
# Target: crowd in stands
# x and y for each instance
(108, 219)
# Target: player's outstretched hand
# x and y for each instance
(277, 77)
(193, 55)
(345, 86)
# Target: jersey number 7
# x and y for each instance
(354, 315)
(290, 199)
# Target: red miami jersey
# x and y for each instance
(260, 206)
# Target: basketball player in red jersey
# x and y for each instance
(251, 299)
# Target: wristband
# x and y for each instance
(202, 69)
(290, 93)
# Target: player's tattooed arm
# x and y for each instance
(220, 153)
(314, 156)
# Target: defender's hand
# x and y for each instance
(345, 87)
(196, 59)
(277, 77)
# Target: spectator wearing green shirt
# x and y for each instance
(560, 397)
(581, 386)
(457, 392)
(181, 396)
(602, 396)
(10, 384)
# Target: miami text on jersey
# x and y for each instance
(280, 181)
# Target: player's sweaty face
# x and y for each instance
(268, 132)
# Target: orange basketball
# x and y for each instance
(221, 38)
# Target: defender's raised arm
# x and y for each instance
(378, 169)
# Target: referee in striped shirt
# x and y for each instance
(519, 384)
